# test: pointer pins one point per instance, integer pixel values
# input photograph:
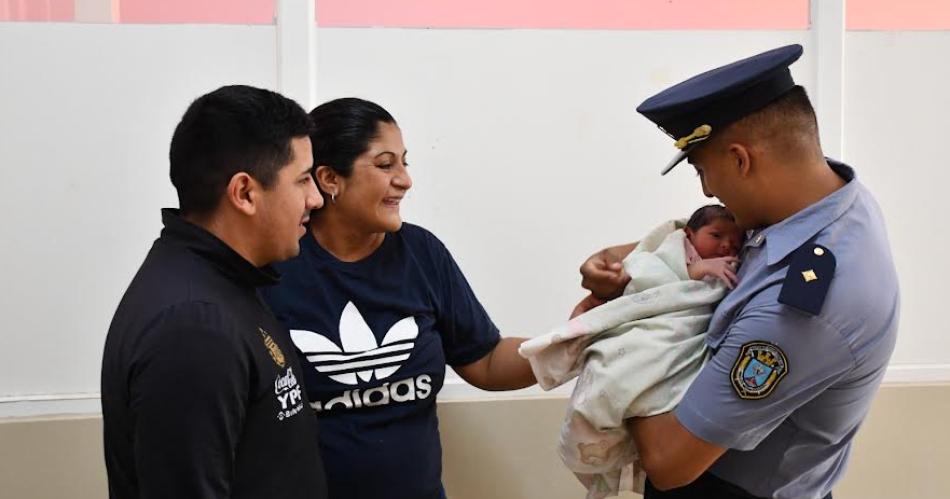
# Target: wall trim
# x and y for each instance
(453, 390)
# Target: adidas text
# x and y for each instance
(406, 390)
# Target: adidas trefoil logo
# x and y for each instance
(360, 355)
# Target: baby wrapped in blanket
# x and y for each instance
(636, 355)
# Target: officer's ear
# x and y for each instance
(741, 158)
(243, 193)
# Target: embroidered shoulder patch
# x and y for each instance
(759, 368)
(272, 348)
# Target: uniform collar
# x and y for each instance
(180, 231)
(793, 232)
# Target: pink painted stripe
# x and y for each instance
(566, 14)
(538, 14)
(37, 10)
(197, 11)
(894, 15)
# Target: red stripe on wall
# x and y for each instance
(197, 11)
(37, 10)
(566, 14)
(887, 15)
(896, 15)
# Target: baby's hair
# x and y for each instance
(708, 214)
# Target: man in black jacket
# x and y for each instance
(201, 394)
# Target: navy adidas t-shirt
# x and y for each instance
(374, 337)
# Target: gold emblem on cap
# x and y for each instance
(809, 275)
(819, 251)
(700, 133)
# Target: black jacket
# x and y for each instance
(201, 388)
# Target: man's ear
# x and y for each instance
(243, 193)
(742, 158)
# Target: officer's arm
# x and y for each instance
(671, 455)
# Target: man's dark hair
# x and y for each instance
(708, 214)
(789, 121)
(232, 129)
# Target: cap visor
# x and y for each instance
(676, 160)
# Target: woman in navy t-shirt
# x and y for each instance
(377, 308)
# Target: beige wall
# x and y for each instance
(52, 458)
(505, 449)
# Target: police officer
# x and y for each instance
(799, 348)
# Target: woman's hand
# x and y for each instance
(589, 302)
(603, 275)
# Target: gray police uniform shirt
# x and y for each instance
(785, 390)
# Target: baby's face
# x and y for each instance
(719, 238)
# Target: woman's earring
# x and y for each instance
(333, 197)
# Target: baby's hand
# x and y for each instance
(723, 268)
